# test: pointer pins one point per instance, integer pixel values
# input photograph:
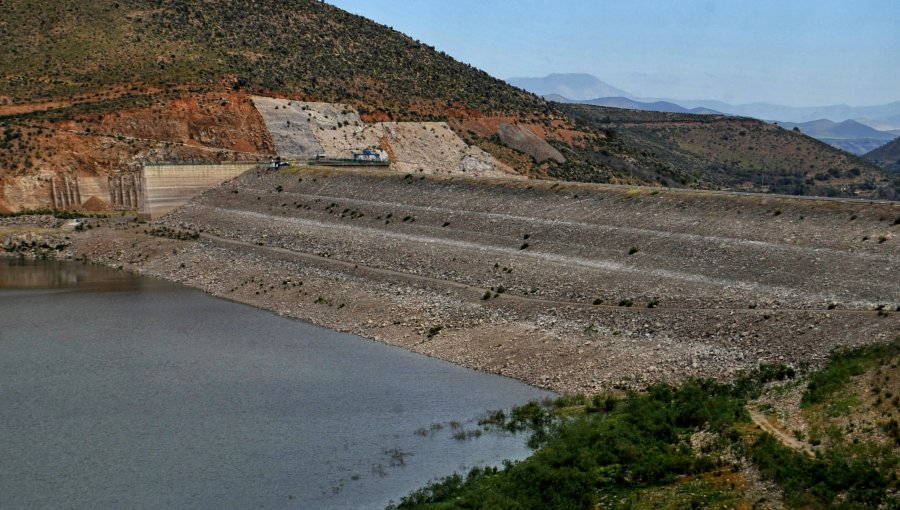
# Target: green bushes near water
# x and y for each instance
(641, 441)
(625, 452)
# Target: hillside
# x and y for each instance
(568, 286)
(104, 86)
(94, 89)
(822, 439)
(887, 156)
(296, 47)
(724, 152)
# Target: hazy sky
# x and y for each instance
(799, 53)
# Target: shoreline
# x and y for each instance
(712, 285)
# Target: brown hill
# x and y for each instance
(724, 152)
(887, 156)
(97, 87)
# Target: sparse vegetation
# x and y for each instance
(177, 42)
(843, 366)
(56, 213)
(712, 151)
(174, 233)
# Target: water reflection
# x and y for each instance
(22, 273)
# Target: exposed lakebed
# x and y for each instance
(119, 391)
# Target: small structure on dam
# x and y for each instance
(167, 186)
(375, 155)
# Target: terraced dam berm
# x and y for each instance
(572, 287)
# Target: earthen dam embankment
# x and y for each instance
(566, 286)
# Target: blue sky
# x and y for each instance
(798, 53)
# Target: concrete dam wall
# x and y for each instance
(166, 187)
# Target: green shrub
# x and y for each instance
(835, 480)
(639, 441)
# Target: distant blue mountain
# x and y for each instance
(849, 135)
(585, 87)
(574, 86)
(766, 111)
(850, 129)
(630, 104)
(656, 106)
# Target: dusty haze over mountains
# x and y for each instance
(856, 129)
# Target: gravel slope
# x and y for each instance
(718, 283)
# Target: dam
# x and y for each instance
(167, 186)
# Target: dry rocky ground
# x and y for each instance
(565, 286)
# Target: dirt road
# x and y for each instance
(782, 436)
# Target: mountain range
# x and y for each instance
(849, 135)
(855, 129)
(630, 104)
(573, 86)
(580, 87)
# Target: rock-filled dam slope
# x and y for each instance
(567, 286)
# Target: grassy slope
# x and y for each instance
(89, 61)
(682, 447)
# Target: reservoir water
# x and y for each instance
(118, 391)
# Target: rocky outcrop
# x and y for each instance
(529, 143)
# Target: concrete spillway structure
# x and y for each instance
(117, 191)
(166, 187)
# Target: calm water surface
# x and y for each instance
(118, 391)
